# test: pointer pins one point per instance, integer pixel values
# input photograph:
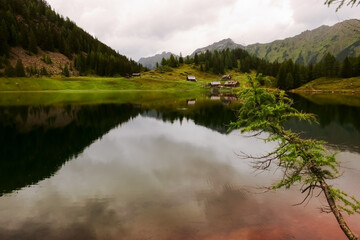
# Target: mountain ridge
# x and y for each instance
(150, 62)
(223, 44)
(310, 46)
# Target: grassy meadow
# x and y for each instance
(152, 87)
(351, 85)
(174, 80)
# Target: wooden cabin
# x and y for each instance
(136, 75)
(191, 78)
(226, 77)
(215, 84)
(231, 84)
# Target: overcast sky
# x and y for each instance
(140, 28)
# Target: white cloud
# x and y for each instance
(140, 28)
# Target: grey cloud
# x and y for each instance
(140, 28)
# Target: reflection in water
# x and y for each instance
(36, 141)
(339, 125)
(138, 173)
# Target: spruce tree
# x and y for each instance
(196, 59)
(19, 69)
(4, 46)
(65, 71)
(10, 71)
(32, 42)
(181, 59)
(303, 161)
(346, 68)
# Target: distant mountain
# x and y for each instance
(150, 62)
(219, 46)
(341, 40)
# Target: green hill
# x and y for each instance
(341, 40)
(339, 85)
(34, 37)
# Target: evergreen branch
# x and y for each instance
(302, 160)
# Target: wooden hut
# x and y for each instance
(226, 77)
(215, 84)
(191, 78)
(231, 84)
(136, 75)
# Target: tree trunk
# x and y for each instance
(335, 210)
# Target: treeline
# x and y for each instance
(292, 75)
(32, 24)
(288, 74)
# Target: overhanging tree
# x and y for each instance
(342, 2)
(304, 161)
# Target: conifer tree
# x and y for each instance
(10, 71)
(304, 161)
(19, 69)
(181, 59)
(196, 59)
(346, 68)
(65, 71)
(32, 42)
(4, 46)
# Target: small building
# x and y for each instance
(226, 77)
(191, 101)
(136, 75)
(215, 84)
(191, 78)
(231, 84)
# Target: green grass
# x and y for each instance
(174, 80)
(202, 78)
(152, 86)
(91, 84)
(332, 91)
(350, 85)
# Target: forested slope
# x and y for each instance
(32, 28)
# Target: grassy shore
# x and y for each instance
(152, 86)
(332, 85)
(58, 83)
(173, 80)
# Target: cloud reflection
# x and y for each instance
(148, 179)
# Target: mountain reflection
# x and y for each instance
(37, 141)
(145, 172)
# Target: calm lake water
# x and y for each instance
(168, 170)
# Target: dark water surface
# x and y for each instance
(166, 171)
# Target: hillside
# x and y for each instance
(348, 85)
(341, 40)
(36, 39)
(150, 62)
(219, 46)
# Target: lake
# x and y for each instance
(152, 166)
